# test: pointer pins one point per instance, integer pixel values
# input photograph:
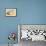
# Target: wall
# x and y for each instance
(34, 12)
(28, 12)
(8, 24)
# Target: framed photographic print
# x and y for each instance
(10, 11)
(33, 32)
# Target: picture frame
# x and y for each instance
(33, 31)
(11, 12)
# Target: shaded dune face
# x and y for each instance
(11, 13)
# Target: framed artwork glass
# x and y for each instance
(10, 11)
(33, 32)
